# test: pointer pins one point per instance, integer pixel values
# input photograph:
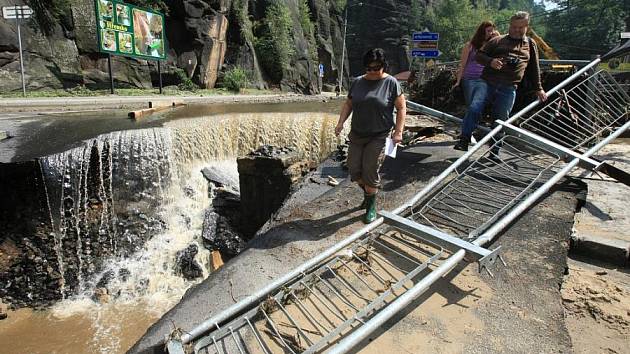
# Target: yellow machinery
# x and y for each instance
(548, 52)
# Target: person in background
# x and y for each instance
(371, 100)
(507, 60)
(469, 77)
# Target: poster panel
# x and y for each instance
(125, 29)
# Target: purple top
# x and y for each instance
(472, 70)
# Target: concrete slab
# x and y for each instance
(602, 226)
(3, 135)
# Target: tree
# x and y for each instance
(456, 21)
(580, 29)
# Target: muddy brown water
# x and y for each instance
(80, 325)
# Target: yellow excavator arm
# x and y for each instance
(545, 49)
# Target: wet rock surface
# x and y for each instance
(186, 265)
(60, 221)
(219, 178)
(220, 229)
(266, 177)
(219, 234)
(29, 267)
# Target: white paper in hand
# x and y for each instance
(390, 148)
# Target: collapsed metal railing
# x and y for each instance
(335, 300)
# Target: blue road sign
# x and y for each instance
(425, 53)
(426, 36)
(321, 70)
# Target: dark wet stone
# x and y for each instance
(226, 198)
(272, 151)
(186, 265)
(105, 279)
(341, 154)
(219, 178)
(226, 240)
(142, 285)
(209, 226)
(124, 274)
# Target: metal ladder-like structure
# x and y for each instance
(336, 300)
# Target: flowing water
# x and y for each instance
(123, 204)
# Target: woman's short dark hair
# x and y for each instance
(480, 35)
(375, 55)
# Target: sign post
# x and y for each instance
(16, 12)
(111, 75)
(131, 31)
(425, 46)
(160, 74)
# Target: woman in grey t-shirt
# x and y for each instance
(371, 100)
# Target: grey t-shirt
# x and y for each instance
(373, 105)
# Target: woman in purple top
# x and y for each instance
(469, 76)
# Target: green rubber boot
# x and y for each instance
(364, 202)
(370, 209)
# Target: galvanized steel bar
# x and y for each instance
(260, 294)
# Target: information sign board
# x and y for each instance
(425, 53)
(426, 45)
(124, 29)
(425, 36)
(18, 11)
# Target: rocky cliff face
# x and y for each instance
(379, 24)
(205, 38)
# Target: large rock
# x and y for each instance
(329, 38)
(220, 177)
(219, 235)
(213, 52)
(266, 177)
(186, 265)
(49, 61)
(84, 18)
(128, 72)
(390, 32)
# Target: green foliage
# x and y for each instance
(583, 28)
(273, 40)
(456, 21)
(235, 79)
(308, 28)
(305, 18)
(339, 5)
(185, 84)
(239, 8)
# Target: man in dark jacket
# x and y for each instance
(507, 60)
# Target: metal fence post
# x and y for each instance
(111, 75)
(17, 20)
(159, 65)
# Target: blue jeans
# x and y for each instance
(502, 97)
(475, 94)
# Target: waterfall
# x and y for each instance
(127, 201)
